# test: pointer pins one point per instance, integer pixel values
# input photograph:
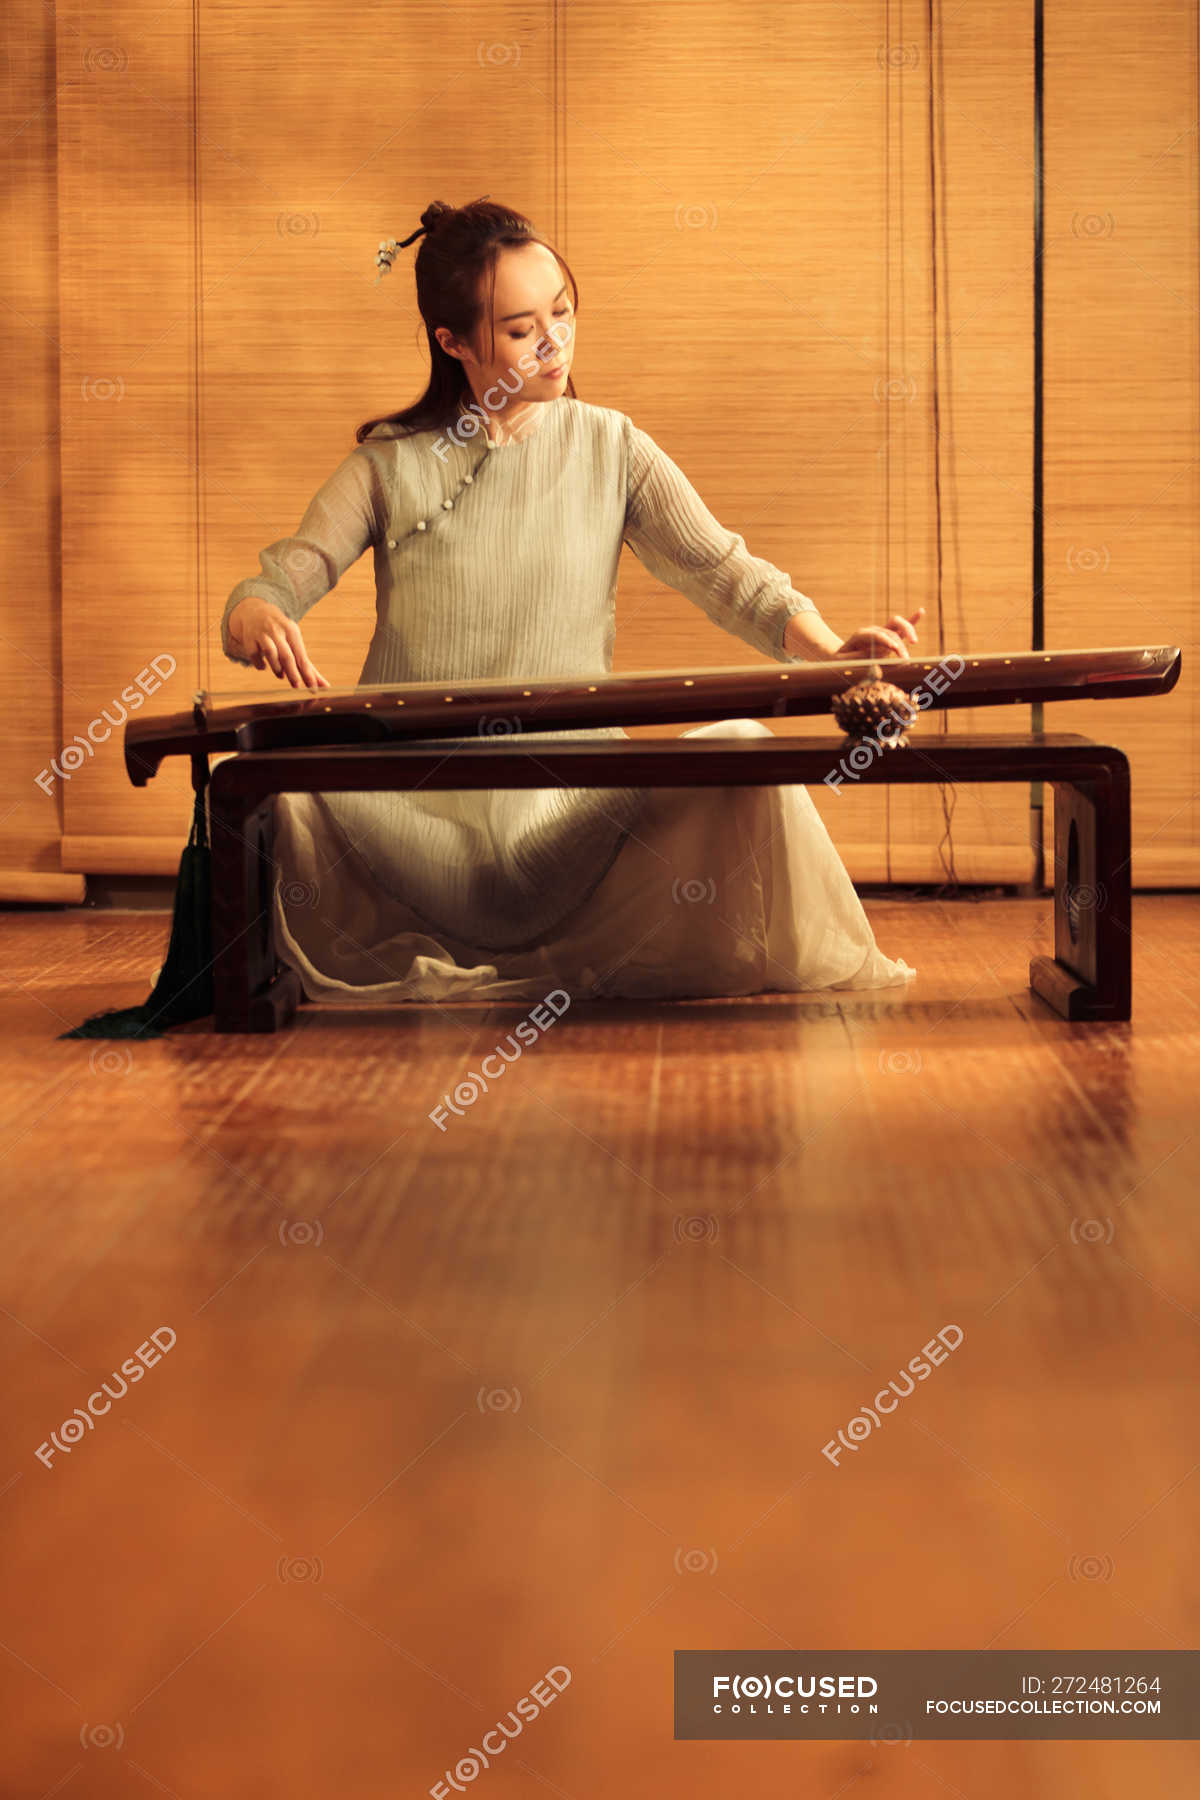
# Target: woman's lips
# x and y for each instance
(559, 369)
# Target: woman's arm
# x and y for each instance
(809, 638)
(341, 519)
(672, 532)
(260, 633)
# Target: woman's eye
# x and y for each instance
(529, 333)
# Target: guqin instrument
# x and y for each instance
(308, 717)
(396, 737)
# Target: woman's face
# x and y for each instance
(534, 332)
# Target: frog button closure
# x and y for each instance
(447, 506)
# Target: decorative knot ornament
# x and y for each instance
(875, 709)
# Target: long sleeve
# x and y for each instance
(341, 519)
(672, 532)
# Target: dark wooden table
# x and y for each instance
(1088, 977)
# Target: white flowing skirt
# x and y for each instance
(719, 890)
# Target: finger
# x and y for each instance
(890, 641)
(900, 624)
(268, 650)
(289, 664)
(304, 662)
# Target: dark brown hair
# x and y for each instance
(456, 275)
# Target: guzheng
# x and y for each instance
(299, 717)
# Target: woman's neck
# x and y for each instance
(513, 423)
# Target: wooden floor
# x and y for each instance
(438, 1411)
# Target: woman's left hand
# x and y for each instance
(879, 641)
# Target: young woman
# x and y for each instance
(496, 507)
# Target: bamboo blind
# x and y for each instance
(812, 287)
(1121, 392)
(31, 814)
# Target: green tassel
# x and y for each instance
(184, 989)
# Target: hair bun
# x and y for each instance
(435, 211)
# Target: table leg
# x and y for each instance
(1090, 975)
(252, 991)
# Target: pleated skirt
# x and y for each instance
(713, 891)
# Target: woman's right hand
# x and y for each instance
(266, 636)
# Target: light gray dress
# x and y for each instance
(500, 561)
